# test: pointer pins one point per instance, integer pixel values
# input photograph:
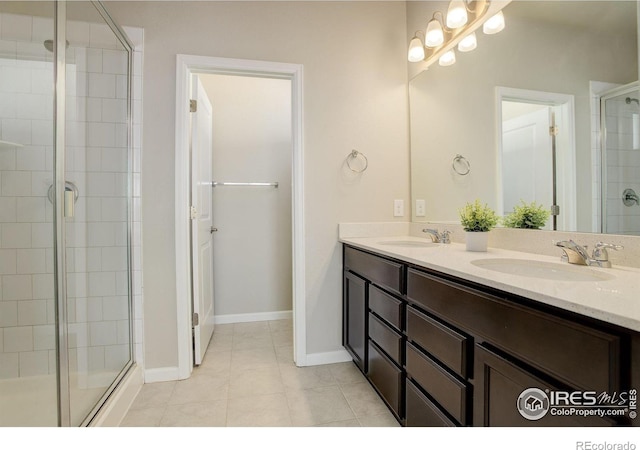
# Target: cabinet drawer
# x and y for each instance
(378, 270)
(387, 339)
(386, 306)
(386, 377)
(447, 345)
(448, 391)
(576, 354)
(420, 412)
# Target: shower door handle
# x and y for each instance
(71, 194)
(69, 203)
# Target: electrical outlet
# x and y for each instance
(398, 208)
(420, 207)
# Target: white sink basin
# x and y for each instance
(409, 243)
(541, 269)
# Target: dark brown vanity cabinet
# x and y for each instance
(447, 352)
(375, 302)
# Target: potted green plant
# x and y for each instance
(527, 215)
(477, 220)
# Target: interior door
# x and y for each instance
(202, 221)
(527, 159)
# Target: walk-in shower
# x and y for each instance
(65, 202)
(620, 134)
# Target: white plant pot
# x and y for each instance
(477, 241)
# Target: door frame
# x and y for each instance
(186, 65)
(566, 163)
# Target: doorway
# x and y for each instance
(251, 202)
(536, 153)
(240, 190)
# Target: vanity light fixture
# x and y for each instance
(468, 43)
(416, 49)
(457, 28)
(434, 36)
(457, 14)
(494, 25)
(447, 59)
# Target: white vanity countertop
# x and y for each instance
(615, 301)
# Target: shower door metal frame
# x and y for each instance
(64, 401)
(59, 226)
(615, 92)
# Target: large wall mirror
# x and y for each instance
(546, 111)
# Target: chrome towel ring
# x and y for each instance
(354, 155)
(460, 165)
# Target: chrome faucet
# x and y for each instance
(577, 254)
(438, 237)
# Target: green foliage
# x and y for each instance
(477, 217)
(528, 215)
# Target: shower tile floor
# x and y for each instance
(248, 379)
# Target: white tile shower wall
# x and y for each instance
(26, 277)
(96, 236)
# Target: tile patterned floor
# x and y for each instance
(248, 379)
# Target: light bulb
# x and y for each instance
(457, 14)
(494, 25)
(434, 35)
(468, 43)
(448, 58)
(416, 50)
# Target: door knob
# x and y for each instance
(213, 230)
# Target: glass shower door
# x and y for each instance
(28, 359)
(97, 233)
(620, 115)
(65, 309)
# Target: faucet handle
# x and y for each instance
(600, 251)
(611, 246)
(446, 239)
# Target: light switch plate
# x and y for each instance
(420, 207)
(398, 208)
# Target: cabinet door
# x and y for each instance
(354, 326)
(499, 383)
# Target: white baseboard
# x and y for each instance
(316, 359)
(161, 374)
(253, 317)
(118, 404)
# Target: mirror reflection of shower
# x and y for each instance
(620, 159)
